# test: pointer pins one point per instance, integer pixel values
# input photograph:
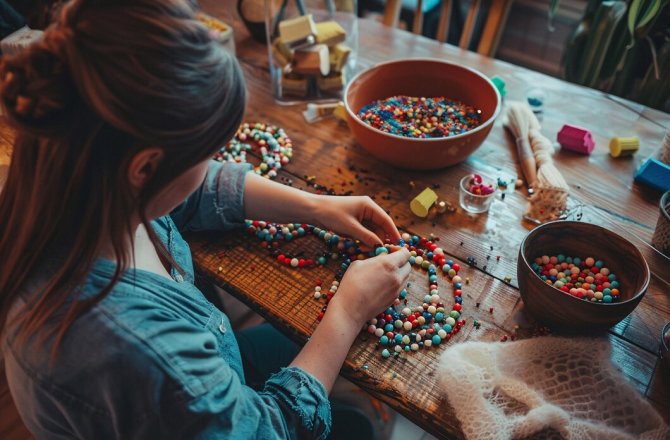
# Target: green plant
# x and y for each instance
(622, 47)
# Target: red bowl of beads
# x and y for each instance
(593, 291)
(421, 113)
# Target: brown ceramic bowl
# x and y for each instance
(562, 311)
(421, 78)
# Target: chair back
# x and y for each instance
(491, 31)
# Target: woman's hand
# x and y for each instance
(357, 217)
(370, 286)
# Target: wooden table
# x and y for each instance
(602, 192)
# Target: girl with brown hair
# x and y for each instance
(104, 335)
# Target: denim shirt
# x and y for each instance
(155, 359)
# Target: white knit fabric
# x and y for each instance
(514, 390)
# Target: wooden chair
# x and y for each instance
(493, 25)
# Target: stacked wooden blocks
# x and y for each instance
(310, 55)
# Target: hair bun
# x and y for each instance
(36, 89)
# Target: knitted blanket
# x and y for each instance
(544, 385)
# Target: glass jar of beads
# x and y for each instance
(312, 47)
(476, 193)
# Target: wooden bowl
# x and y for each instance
(421, 78)
(562, 311)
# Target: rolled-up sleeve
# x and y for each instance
(218, 204)
(293, 405)
(210, 401)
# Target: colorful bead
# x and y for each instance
(420, 117)
(408, 329)
(271, 142)
(587, 278)
(476, 186)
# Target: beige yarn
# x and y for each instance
(550, 198)
(519, 389)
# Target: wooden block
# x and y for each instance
(340, 112)
(330, 33)
(294, 84)
(576, 139)
(298, 32)
(654, 174)
(281, 53)
(312, 60)
(331, 83)
(338, 57)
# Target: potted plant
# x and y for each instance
(623, 48)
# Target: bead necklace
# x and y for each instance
(409, 329)
(274, 146)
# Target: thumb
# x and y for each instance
(400, 258)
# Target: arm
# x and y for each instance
(354, 304)
(218, 203)
(354, 216)
(229, 194)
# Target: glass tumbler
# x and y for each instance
(473, 203)
(312, 48)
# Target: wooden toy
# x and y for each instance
(338, 57)
(576, 139)
(332, 82)
(298, 32)
(330, 33)
(294, 84)
(624, 146)
(281, 53)
(654, 174)
(312, 60)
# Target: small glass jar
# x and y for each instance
(474, 203)
(312, 47)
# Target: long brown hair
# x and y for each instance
(109, 78)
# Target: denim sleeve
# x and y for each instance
(219, 202)
(200, 396)
(293, 405)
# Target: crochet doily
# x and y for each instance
(547, 204)
(547, 385)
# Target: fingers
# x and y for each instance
(382, 220)
(367, 237)
(400, 258)
(404, 272)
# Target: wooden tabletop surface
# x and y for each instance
(602, 192)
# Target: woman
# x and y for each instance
(117, 112)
